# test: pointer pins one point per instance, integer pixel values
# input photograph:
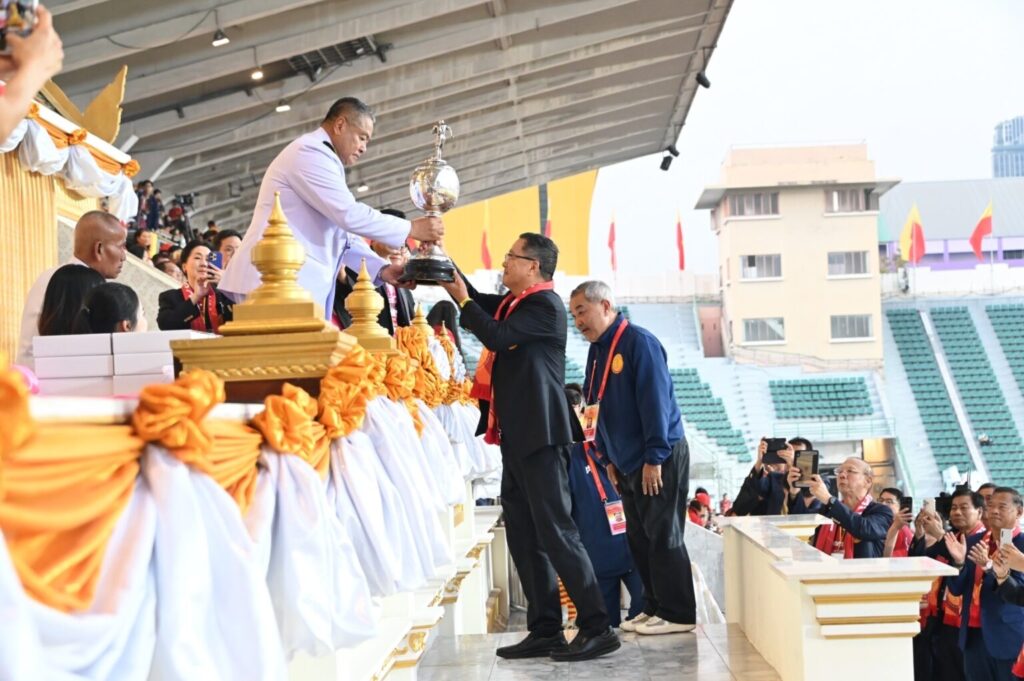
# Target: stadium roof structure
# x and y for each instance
(951, 209)
(534, 90)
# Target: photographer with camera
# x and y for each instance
(197, 305)
(770, 488)
(31, 61)
(859, 524)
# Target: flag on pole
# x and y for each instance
(912, 247)
(545, 210)
(611, 245)
(982, 230)
(679, 242)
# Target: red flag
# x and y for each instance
(982, 230)
(679, 243)
(917, 247)
(912, 246)
(547, 228)
(485, 252)
(611, 245)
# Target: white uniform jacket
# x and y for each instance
(324, 216)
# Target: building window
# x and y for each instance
(1016, 254)
(850, 200)
(761, 266)
(761, 203)
(851, 326)
(770, 330)
(845, 263)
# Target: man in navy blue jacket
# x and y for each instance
(991, 629)
(860, 524)
(640, 433)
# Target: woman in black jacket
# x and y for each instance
(197, 305)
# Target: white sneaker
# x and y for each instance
(631, 625)
(656, 625)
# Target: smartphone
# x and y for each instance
(771, 456)
(16, 16)
(1005, 536)
(216, 258)
(907, 505)
(943, 505)
(807, 461)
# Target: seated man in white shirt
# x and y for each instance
(322, 213)
(99, 244)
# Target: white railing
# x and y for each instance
(763, 357)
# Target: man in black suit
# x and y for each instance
(399, 305)
(523, 407)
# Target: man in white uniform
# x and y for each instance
(99, 244)
(321, 211)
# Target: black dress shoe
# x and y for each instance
(585, 647)
(533, 646)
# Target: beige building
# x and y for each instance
(798, 253)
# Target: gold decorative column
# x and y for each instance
(365, 304)
(278, 334)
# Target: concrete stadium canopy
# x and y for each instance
(533, 89)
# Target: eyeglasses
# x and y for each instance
(849, 471)
(510, 254)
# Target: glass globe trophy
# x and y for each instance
(434, 189)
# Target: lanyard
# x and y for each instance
(608, 362)
(593, 472)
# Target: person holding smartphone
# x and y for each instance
(991, 628)
(31, 60)
(900, 536)
(197, 305)
(859, 523)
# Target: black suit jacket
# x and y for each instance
(406, 304)
(868, 529)
(177, 312)
(529, 369)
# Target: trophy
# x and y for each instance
(434, 189)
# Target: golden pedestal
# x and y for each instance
(277, 335)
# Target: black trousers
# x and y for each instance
(654, 527)
(979, 665)
(544, 541)
(948, 659)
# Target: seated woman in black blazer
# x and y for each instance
(197, 305)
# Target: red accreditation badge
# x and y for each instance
(588, 420)
(616, 516)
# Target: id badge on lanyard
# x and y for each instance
(591, 411)
(589, 421)
(616, 516)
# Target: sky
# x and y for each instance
(921, 82)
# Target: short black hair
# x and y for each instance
(189, 247)
(977, 501)
(138, 232)
(987, 485)
(543, 250)
(700, 490)
(574, 393)
(898, 493)
(105, 307)
(1014, 494)
(802, 441)
(211, 223)
(222, 235)
(348, 106)
(393, 211)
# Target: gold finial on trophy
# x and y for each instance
(419, 321)
(279, 304)
(365, 304)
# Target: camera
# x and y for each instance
(186, 199)
(18, 17)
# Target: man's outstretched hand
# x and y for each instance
(427, 229)
(456, 289)
(392, 274)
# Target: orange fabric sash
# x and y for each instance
(288, 424)
(482, 387)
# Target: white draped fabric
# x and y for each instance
(192, 589)
(75, 164)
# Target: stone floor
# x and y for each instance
(716, 652)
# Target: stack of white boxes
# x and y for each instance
(101, 365)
